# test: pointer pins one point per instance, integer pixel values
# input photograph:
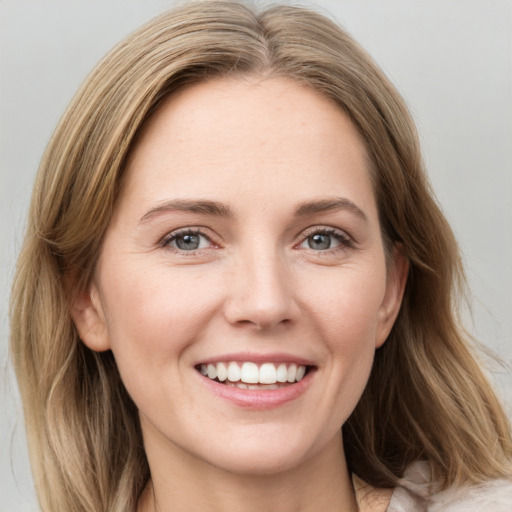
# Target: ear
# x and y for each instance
(398, 269)
(89, 319)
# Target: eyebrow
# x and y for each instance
(214, 208)
(203, 207)
(329, 205)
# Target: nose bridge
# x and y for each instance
(261, 294)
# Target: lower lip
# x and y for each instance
(256, 398)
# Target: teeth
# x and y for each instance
(249, 376)
(212, 371)
(282, 373)
(268, 374)
(222, 372)
(242, 385)
(249, 373)
(292, 373)
(233, 372)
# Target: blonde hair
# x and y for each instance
(426, 397)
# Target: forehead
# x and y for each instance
(272, 137)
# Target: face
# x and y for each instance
(242, 285)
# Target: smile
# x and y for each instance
(250, 375)
(257, 382)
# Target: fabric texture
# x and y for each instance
(417, 493)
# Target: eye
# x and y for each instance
(325, 239)
(187, 240)
(320, 241)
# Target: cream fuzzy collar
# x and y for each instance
(415, 495)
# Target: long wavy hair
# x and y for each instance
(426, 398)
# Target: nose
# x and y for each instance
(260, 293)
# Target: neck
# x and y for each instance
(320, 483)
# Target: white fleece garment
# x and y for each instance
(495, 496)
(415, 494)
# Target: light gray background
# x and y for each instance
(451, 59)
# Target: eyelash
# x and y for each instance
(171, 237)
(345, 241)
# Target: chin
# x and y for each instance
(264, 454)
(259, 464)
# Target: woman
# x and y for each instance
(237, 291)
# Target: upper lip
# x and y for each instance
(278, 357)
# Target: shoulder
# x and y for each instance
(416, 493)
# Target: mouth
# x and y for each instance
(251, 375)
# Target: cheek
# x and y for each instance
(154, 314)
(347, 306)
(347, 315)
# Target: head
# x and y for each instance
(68, 387)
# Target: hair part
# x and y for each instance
(426, 397)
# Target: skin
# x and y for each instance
(261, 148)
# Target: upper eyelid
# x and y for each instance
(344, 238)
(195, 230)
(325, 229)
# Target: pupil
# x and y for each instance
(319, 241)
(188, 242)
